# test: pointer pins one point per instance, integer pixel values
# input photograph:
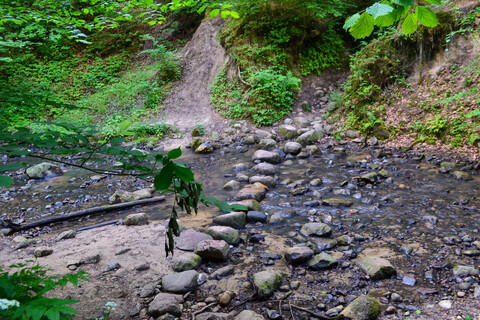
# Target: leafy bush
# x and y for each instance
(23, 292)
(169, 68)
(268, 97)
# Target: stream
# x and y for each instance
(423, 221)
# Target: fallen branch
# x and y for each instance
(240, 77)
(98, 225)
(85, 212)
(317, 315)
(203, 309)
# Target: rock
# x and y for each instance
(362, 308)
(240, 167)
(344, 240)
(431, 219)
(293, 148)
(189, 239)
(249, 315)
(228, 234)
(267, 144)
(269, 181)
(472, 252)
(445, 304)
(93, 259)
(196, 142)
(204, 148)
(224, 300)
(287, 132)
(186, 261)
(460, 175)
(406, 249)
(333, 312)
(114, 265)
(214, 316)
(164, 303)
(267, 156)
(465, 271)
(181, 282)
(223, 272)
(251, 204)
(333, 202)
(275, 218)
(147, 291)
(232, 185)
(446, 167)
(409, 280)
(370, 177)
(266, 282)
(301, 122)
(212, 250)
(298, 255)
(316, 229)
(265, 169)
(351, 134)
(322, 261)
(316, 182)
(377, 268)
(126, 196)
(20, 242)
(44, 170)
(254, 193)
(42, 252)
(69, 234)
(324, 244)
(395, 297)
(235, 220)
(256, 216)
(135, 219)
(309, 137)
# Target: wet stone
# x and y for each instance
(287, 131)
(324, 244)
(316, 229)
(223, 272)
(472, 253)
(292, 148)
(269, 181)
(254, 193)
(316, 182)
(204, 148)
(409, 280)
(266, 156)
(256, 216)
(298, 255)
(232, 185)
(333, 202)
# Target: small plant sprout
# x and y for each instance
(110, 307)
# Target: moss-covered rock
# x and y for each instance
(362, 308)
(266, 282)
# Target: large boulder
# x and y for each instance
(212, 250)
(310, 137)
(235, 220)
(264, 168)
(293, 148)
(164, 303)
(266, 282)
(181, 282)
(377, 268)
(267, 156)
(44, 170)
(287, 131)
(189, 239)
(186, 261)
(227, 234)
(362, 308)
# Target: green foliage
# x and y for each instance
(388, 13)
(268, 97)
(27, 287)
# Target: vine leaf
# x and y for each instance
(351, 21)
(379, 9)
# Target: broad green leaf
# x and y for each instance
(404, 3)
(152, 22)
(426, 17)
(435, 1)
(234, 15)
(225, 14)
(409, 25)
(5, 181)
(226, 6)
(214, 13)
(86, 11)
(384, 21)
(163, 180)
(363, 27)
(174, 154)
(184, 174)
(351, 21)
(202, 8)
(379, 9)
(14, 166)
